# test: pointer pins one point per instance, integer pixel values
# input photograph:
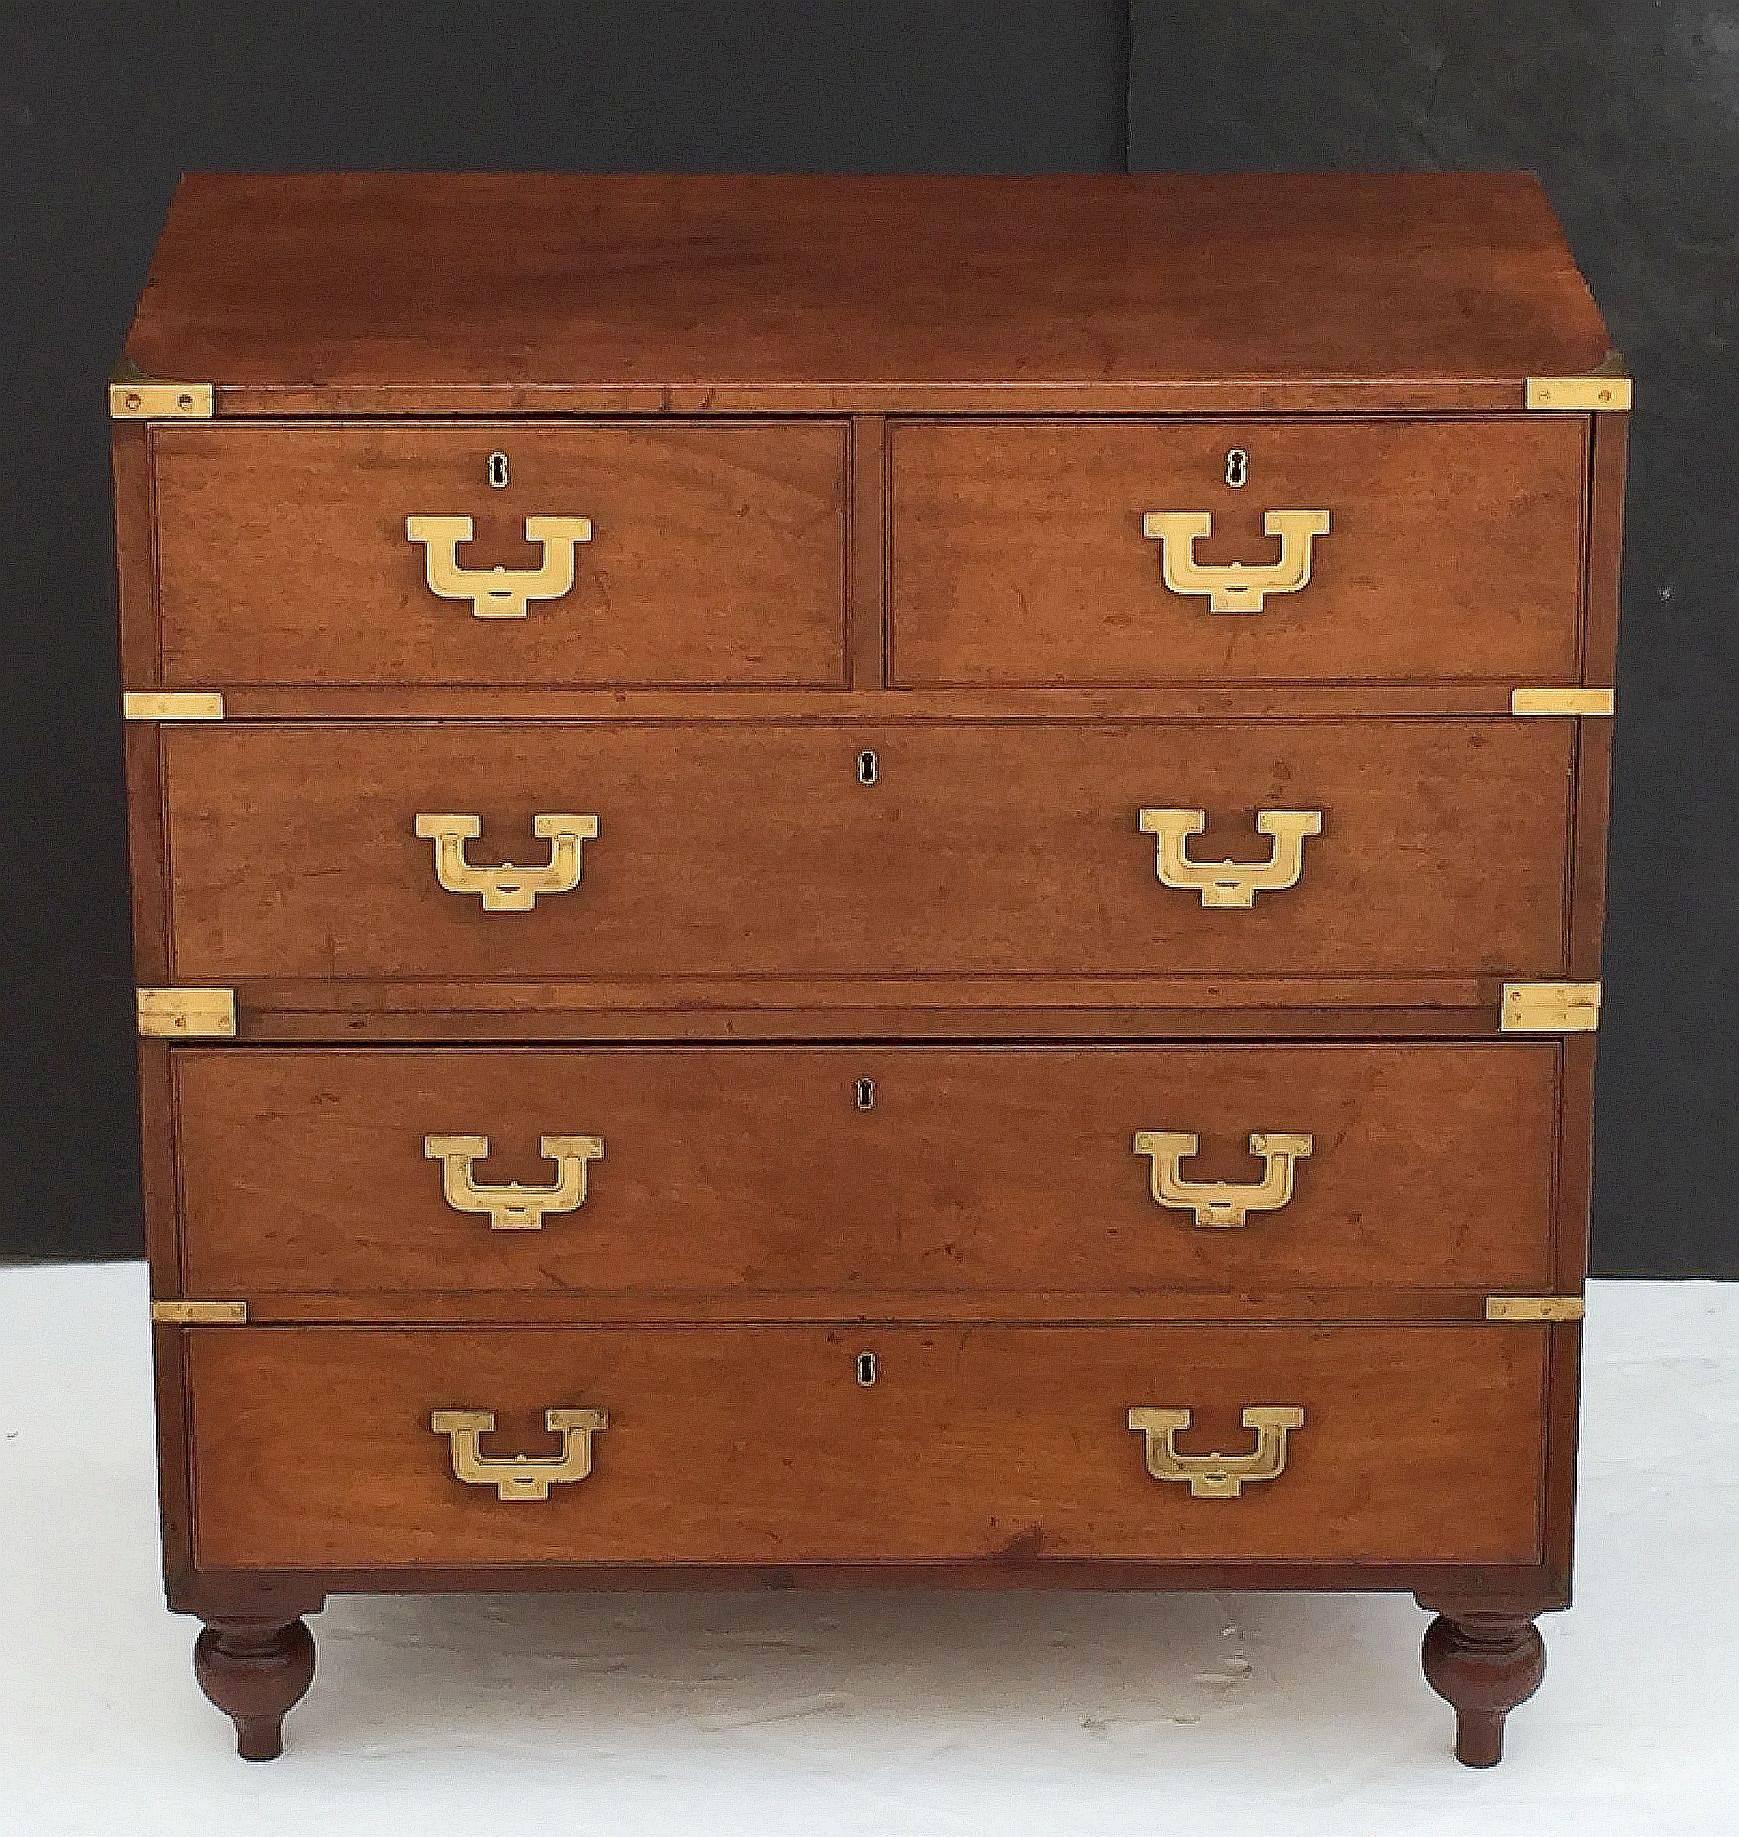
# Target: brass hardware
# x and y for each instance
(869, 767)
(507, 888)
(1535, 1307)
(499, 593)
(864, 1093)
(146, 400)
(1230, 883)
(514, 1207)
(1217, 1476)
(1578, 394)
(1561, 701)
(199, 1313)
(1221, 1204)
(187, 1014)
(1238, 586)
(495, 469)
(1550, 1007)
(172, 705)
(519, 1476)
(867, 1370)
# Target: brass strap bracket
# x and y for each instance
(1572, 700)
(199, 1313)
(187, 1014)
(1534, 1307)
(172, 705)
(147, 399)
(1550, 1007)
(1577, 395)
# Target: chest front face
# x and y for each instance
(870, 879)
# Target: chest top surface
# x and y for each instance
(412, 293)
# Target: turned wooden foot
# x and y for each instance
(256, 1672)
(1483, 1664)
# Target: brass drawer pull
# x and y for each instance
(507, 888)
(1230, 883)
(1217, 1476)
(514, 1207)
(519, 1476)
(499, 593)
(1222, 1204)
(1238, 586)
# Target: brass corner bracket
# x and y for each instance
(147, 399)
(1577, 394)
(199, 1313)
(1535, 1307)
(1550, 1007)
(187, 1014)
(172, 705)
(1572, 699)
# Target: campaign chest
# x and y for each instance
(867, 880)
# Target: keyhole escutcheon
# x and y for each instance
(497, 469)
(869, 767)
(867, 1369)
(864, 1093)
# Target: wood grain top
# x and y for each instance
(414, 293)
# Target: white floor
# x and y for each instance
(884, 1714)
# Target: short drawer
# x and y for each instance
(1372, 551)
(363, 1448)
(629, 554)
(757, 850)
(738, 1177)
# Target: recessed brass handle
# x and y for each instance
(1238, 586)
(1230, 883)
(506, 888)
(520, 1476)
(499, 593)
(514, 1207)
(1217, 1476)
(1222, 1204)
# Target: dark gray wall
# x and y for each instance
(1630, 108)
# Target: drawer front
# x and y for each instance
(738, 1174)
(1453, 550)
(715, 554)
(313, 1447)
(754, 850)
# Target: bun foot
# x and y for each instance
(256, 1672)
(1483, 1665)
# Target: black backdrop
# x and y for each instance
(1629, 108)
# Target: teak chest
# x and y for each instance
(867, 880)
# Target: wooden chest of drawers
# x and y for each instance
(831, 873)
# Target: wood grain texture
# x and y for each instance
(970, 1009)
(717, 553)
(980, 851)
(756, 930)
(376, 292)
(757, 1444)
(1001, 1170)
(1455, 551)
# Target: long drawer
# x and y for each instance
(366, 1448)
(540, 555)
(1330, 848)
(1054, 553)
(744, 1173)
